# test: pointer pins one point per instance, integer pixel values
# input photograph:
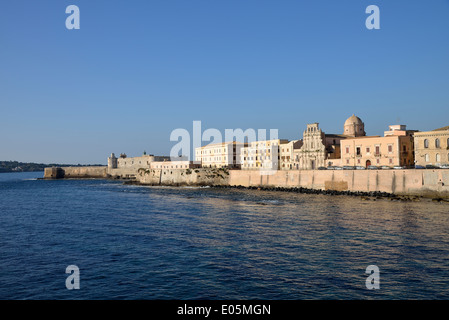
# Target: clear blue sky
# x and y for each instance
(136, 70)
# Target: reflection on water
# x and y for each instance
(205, 243)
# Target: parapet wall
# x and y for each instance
(427, 183)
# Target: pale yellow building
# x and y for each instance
(395, 148)
(262, 155)
(432, 147)
(220, 155)
(287, 154)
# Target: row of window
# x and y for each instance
(258, 165)
(359, 162)
(358, 150)
(210, 159)
(260, 158)
(211, 151)
(171, 167)
(437, 143)
(437, 158)
(244, 151)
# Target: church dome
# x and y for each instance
(354, 127)
(353, 120)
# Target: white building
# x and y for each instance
(220, 155)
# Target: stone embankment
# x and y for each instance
(430, 183)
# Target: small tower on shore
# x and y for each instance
(112, 162)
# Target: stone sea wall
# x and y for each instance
(75, 172)
(425, 182)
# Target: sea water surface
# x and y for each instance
(132, 242)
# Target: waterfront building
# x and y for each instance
(128, 167)
(220, 155)
(263, 155)
(183, 164)
(287, 154)
(432, 147)
(395, 148)
(143, 161)
(323, 150)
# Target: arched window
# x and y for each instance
(437, 143)
(437, 158)
(426, 157)
(426, 143)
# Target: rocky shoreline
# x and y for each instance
(366, 196)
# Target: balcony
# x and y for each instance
(378, 154)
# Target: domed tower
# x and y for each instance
(354, 127)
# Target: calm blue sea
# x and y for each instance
(132, 242)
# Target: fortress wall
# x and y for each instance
(122, 172)
(75, 172)
(188, 177)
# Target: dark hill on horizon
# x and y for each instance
(16, 166)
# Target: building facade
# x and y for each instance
(262, 155)
(432, 147)
(174, 165)
(133, 163)
(128, 167)
(287, 154)
(395, 148)
(219, 155)
(323, 150)
(312, 154)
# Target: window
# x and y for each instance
(358, 151)
(437, 158)
(391, 161)
(426, 143)
(378, 161)
(347, 161)
(368, 150)
(426, 158)
(390, 148)
(347, 149)
(377, 150)
(437, 143)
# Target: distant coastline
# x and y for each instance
(16, 166)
